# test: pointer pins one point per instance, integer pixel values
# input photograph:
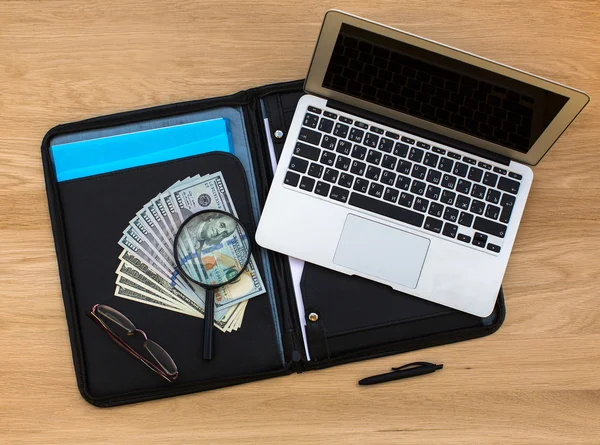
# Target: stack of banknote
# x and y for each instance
(147, 272)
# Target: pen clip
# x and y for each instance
(417, 365)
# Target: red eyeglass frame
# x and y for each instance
(171, 377)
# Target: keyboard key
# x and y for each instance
(493, 247)
(327, 158)
(416, 155)
(310, 120)
(492, 212)
(401, 149)
(339, 194)
(508, 185)
(371, 140)
(434, 176)
(477, 207)
(314, 110)
(330, 114)
(376, 190)
(373, 173)
(345, 120)
(328, 142)
(361, 185)
(406, 199)
(344, 147)
(475, 174)
(310, 136)
(315, 170)
(464, 238)
(358, 168)
(431, 159)
(322, 188)
(358, 151)
(423, 145)
(436, 209)
(403, 167)
(438, 150)
(453, 155)
(463, 186)
(433, 192)
(391, 135)
(460, 169)
(479, 239)
(515, 175)
(388, 177)
(450, 230)
(361, 125)
(448, 197)
(298, 165)
(407, 140)
(291, 178)
(418, 171)
(307, 151)
(376, 130)
(307, 183)
(388, 162)
(465, 219)
(490, 179)
(346, 180)
(330, 175)
(386, 145)
(418, 187)
(421, 204)
(450, 214)
(356, 135)
(446, 165)
(493, 196)
(403, 182)
(462, 202)
(342, 163)
(491, 227)
(385, 209)
(507, 203)
(448, 181)
(326, 125)
(484, 165)
(478, 191)
(390, 194)
(469, 160)
(374, 157)
(500, 170)
(434, 225)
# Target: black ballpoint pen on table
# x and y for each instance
(402, 372)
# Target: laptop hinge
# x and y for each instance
(418, 131)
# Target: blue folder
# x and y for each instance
(103, 155)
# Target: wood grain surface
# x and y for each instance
(537, 380)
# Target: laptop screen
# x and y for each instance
(440, 89)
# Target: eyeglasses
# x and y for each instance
(121, 330)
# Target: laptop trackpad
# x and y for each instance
(381, 251)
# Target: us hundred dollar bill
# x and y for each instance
(210, 192)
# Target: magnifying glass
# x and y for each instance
(211, 249)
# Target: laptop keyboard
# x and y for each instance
(377, 169)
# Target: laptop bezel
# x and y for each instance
(330, 28)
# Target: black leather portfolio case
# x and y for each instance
(357, 319)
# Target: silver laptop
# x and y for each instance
(407, 162)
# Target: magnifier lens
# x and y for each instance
(212, 248)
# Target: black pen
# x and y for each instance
(403, 372)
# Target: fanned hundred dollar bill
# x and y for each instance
(147, 272)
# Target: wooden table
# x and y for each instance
(537, 380)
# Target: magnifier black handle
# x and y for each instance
(209, 319)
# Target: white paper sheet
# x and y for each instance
(296, 265)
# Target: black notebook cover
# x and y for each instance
(88, 216)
